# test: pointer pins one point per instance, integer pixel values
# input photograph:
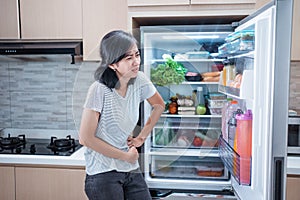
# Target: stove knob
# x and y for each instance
(32, 149)
(18, 150)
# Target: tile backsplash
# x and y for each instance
(43, 92)
(294, 98)
(47, 92)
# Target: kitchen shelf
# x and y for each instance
(239, 167)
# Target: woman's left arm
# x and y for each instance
(158, 105)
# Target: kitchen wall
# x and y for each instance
(43, 92)
(47, 92)
(295, 86)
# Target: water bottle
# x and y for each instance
(232, 124)
(200, 96)
(231, 108)
(224, 109)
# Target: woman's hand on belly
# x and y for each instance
(132, 155)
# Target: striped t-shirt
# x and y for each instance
(119, 116)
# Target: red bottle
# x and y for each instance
(243, 144)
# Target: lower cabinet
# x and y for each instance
(7, 183)
(41, 182)
(292, 187)
(34, 183)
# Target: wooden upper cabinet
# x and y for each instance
(261, 3)
(53, 19)
(223, 1)
(295, 52)
(157, 2)
(100, 17)
(9, 19)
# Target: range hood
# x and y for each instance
(23, 47)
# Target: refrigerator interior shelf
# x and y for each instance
(211, 152)
(239, 167)
(189, 60)
(199, 83)
(186, 173)
(249, 54)
(189, 127)
(191, 167)
(191, 116)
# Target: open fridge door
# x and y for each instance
(268, 87)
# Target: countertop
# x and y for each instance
(76, 159)
(293, 165)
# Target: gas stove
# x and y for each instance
(20, 144)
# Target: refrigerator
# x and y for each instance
(259, 49)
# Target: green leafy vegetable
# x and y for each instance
(171, 72)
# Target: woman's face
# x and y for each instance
(129, 66)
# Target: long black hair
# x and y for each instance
(113, 48)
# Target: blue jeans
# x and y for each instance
(115, 185)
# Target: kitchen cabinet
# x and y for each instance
(31, 182)
(157, 2)
(292, 187)
(222, 1)
(9, 19)
(185, 2)
(295, 53)
(189, 9)
(7, 183)
(36, 183)
(100, 17)
(53, 19)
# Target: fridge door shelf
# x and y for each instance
(239, 167)
(246, 89)
(235, 92)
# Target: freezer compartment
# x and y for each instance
(187, 167)
(239, 167)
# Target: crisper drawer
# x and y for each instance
(187, 167)
(186, 133)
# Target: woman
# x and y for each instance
(110, 114)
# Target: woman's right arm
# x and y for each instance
(87, 137)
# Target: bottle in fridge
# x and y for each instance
(243, 144)
(224, 109)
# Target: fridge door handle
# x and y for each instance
(278, 178)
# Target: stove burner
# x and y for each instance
(62, 145)
(12, 143)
